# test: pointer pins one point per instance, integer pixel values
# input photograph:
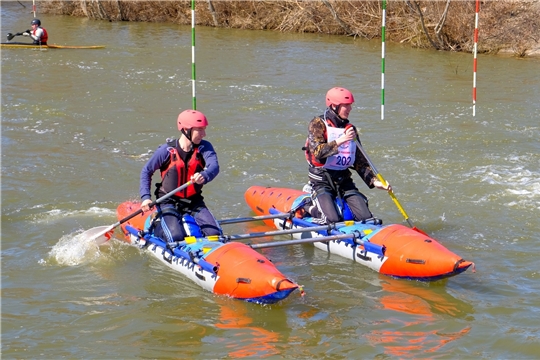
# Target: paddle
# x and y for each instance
(102, 234)
(10, 36)
(383, 181)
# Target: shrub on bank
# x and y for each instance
(505, 25)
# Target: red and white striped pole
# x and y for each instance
(34, 7)
(383, 48)
(475, 51)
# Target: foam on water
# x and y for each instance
(73, 250)
(56, 214)
(520, 185)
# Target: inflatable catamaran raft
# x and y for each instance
(393, 250)
(215, 263)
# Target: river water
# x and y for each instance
(78, 125)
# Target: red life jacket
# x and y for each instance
(178, 173)
(44, 37)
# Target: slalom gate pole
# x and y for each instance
(475, 51)
(383, 50)
(193, 77)
(34, 7)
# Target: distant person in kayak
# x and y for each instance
(189, 158)
(38, 34)
(331, 151)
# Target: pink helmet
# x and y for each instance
(191, 118)
(338, 95)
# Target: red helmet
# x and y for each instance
(338, 95)
(191, 118)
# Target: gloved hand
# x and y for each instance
(26, 33)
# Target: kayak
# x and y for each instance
(394, 250)
(17, 45)
(220, 266)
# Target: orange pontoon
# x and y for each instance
(406, 253)
(232, 269)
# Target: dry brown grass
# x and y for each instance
(440, 24)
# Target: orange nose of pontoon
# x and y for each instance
(414, 255)
(245, 274)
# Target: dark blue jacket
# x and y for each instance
(161, 158)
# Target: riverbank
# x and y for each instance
(505, 27)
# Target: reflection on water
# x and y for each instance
(416, 312)
(415, 319)
(428, 299)
(407, 342)
(250, 341)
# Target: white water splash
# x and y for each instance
(74, 249)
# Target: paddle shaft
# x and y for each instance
(153, 203)
(382, 180)
(140, 211)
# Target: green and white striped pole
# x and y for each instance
(383, 35)
(193, 53)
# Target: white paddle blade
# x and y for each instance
(100, 235)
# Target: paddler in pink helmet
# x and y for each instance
(331, 152)
(188, 158)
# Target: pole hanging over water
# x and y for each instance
(34, 7)
(475, 51)
(383, 49)
(193, 53)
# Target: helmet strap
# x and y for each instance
(335, 108)
(187, 134)
(336, 111)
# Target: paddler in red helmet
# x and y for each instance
(188, 158)
(330, 152)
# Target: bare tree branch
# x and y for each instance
(335, 15)
(440, 25)
(424, 25)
